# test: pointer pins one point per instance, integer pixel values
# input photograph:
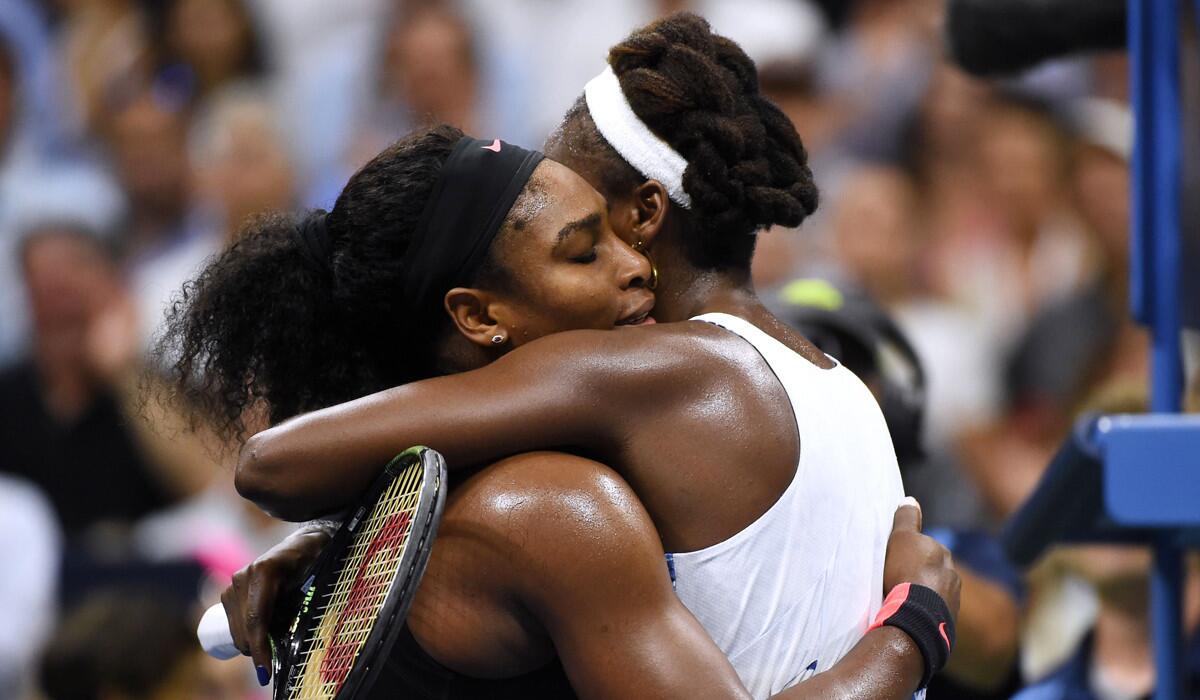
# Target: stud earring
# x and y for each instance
(497, 339)
(651, 283)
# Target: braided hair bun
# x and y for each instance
(747, 168)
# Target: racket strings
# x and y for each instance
(345, 616)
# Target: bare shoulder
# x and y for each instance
(539, 487)
(539, 508)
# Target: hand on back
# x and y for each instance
(917, 558)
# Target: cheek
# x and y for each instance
(573, 302)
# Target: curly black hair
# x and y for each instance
(262, 327)
(698, 91)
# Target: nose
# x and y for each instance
(633, 267)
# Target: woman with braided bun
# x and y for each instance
(764, 465)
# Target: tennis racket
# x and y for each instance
(358, 593)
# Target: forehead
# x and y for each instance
(587, 168)
(577, 144)
(555, 196)
(61, 249)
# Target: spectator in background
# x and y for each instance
(68, 419)
(1079, 338)
(321, 56)
(881, 233)
(1036, 253)
(1090, 324)
(165, 240)
(945, 129)
(429, 74)
(126, 644)
(242, 162)
(1114, 659)
(880, 237)
(103, 44)
(432, 67)
(26, 117)
(878, 232)
(145, 132)
(880, 67)
(208, 44)
(74, 194)
(943, 152)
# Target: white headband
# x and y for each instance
(630, 137)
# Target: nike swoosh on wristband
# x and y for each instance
(495, 147)
(942, 631)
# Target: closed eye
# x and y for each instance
(590, 222)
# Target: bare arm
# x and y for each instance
(574, 389)
(615, 621)
(620, 630)
(636, 639)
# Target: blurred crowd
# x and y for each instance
(989, 219)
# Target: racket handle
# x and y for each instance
(214, 634)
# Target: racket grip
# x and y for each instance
(214, 634)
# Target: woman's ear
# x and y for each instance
(469, 308)
(651, 205)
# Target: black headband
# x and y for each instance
(474, 191)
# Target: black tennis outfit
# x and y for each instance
(411, 673)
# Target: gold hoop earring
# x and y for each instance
(651, 283)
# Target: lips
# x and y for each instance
(640, 316)
(642, 320)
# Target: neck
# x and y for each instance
(706, 292)
(454, 354)
(67, 389)
(685, 290)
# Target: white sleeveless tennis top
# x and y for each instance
(789, 595)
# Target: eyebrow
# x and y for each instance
(591, 221)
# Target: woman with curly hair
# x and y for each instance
(765, 466)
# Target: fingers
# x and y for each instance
(249, 601)
(231, 601)
(260, 602)
(908, 516)
(251, 598)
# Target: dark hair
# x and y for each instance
(265, 327)
(697, 90)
